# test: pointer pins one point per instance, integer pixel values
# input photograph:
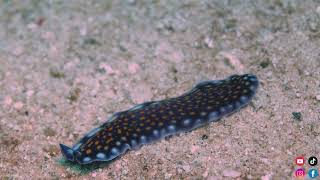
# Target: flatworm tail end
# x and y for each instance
(249, 84)
(245, 87)
(223, 97)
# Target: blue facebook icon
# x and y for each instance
(313, 173)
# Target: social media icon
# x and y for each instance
(313, 173)
(300, 173)
(313, 161)
(300, 161)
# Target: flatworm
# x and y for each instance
(145, 123)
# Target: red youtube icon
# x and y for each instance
(300, 161)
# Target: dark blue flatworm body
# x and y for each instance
(145, 123)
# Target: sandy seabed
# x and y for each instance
(66, 66)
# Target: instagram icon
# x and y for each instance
(300, 173)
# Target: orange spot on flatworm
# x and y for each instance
(109, 140)
(88, 151)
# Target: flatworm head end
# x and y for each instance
(70, 161)
(67, 152)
